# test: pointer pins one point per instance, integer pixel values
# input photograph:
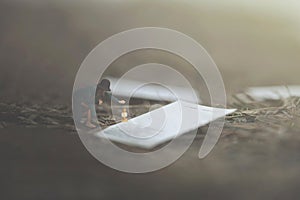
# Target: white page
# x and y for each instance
(273, 92)
(163, 124)
(152, 91)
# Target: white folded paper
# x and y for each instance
(163, 124)
(273, 92)
(152, 91)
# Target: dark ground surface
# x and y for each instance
(254, 159)
(52, 164)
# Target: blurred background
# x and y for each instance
(43, 42)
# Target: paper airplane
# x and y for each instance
(273, 92)
(163, 124)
